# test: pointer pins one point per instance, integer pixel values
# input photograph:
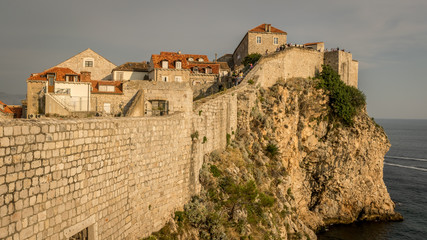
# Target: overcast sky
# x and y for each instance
(387, 37)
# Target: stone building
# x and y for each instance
(90, 61)
(197, 70)
(131, 71)
(63, 92)
(319, 46)
(57, 91)
(259, 40)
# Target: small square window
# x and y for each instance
(178, 79)
(164, 78)
(88, 63)
(258, 39)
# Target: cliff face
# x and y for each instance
(335, 171)
(290, 171)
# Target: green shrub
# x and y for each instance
(228, 139)
(251, 58)
(195, 135)
(179, 216)
(205, 139)
(266, 200)
(196, 212)
(272, 150)
(345, 101)
(250, 81)
(215, 171)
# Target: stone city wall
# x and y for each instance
(292, 62)
(118, 177)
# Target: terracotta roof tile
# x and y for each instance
(118, 86)
(4, 108)
(59, 72)
(261, 28)
(185, 60)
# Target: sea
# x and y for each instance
(405, 175)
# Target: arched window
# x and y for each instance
(190, 59)
(196, 69)
(200, 60)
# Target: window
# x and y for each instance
(164, 78)
(88, 62)
(71, 78)
(51, 79)
(178, 79)
(258, 39)
(275, 41)
(165, 64)
(208, 70)
(195, 69)
(106, 88)
(178, 65)
(107, 107)
(190, 59)
(200, 60)
(119, 76)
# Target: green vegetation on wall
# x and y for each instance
(251, 58)
(345, 101)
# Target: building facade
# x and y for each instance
(261, 39)
(196, 70)
(90, 61)
(131, 71)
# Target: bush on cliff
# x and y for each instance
(251, 58)
(345, 101)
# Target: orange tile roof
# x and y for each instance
(118, 86)
(5, 108)
(59, 72)
(261, 28)
(313, 43)
(172, 57)
(62, 72)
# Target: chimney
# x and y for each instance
(266, 27)
(216, 57)
(269, 27)
(85, 76)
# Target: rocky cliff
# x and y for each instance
(291, 170)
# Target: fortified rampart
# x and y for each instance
(304, 62)
(117, 177)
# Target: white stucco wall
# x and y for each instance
(78, 98)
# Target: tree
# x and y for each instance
(345, 101)
(251, 58)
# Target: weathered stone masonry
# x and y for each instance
(120, 177)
